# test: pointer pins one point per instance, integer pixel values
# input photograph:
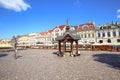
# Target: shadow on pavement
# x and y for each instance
(3, 55)
(55, 53)
(113, 60)
(19, 56)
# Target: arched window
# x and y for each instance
(100, 41)
(118, 40)
(98, 34)
(108, 34)
(57, 30)
(103, 34)
(72, 29)
(109, 40)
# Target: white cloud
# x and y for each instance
(118, 12)
(16, 5)
(118, 16)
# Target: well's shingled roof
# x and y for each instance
(72, 35)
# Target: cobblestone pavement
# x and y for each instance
(43, 65)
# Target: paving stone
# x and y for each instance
(44, 65)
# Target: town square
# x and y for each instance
(35, 64)
(59, 39)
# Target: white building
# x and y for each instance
(60, 30)
(32, 39)
(57, 31)
(22, 40)
(49, 39)
(108, 33)
(86, 32)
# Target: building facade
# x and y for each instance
(89, 34)
(5, 43)
(86, 32)
(57, 31)
(49, 39)
(108, 33)
(32, 39)
(22, 40)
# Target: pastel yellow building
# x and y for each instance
(22, 40)
(86, 32)
(5, 43)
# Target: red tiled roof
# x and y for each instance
(89, 26)
(43, 33)
(60, 27)
(50, 31)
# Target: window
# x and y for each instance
(72, 29)
(101, 27)
(104, 27)
(100, 41)
(109, 40)
(93, 35)
(98, 34)
(89, 35)
(52, 39)
(119, 33)
(103, 34)
(109, 27)
(108, 34)
(81, 35)
(57, 30)
(114, 33)
(57, 34)
(118, 40)
(85, 35)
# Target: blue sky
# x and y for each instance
(19, 17)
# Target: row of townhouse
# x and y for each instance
(89, 33)
(104, 34)
(33, 39)
(42, 38)
(27, 40)
(5, 43)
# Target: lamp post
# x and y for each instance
(15, 46)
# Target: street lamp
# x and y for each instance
(15, 46)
